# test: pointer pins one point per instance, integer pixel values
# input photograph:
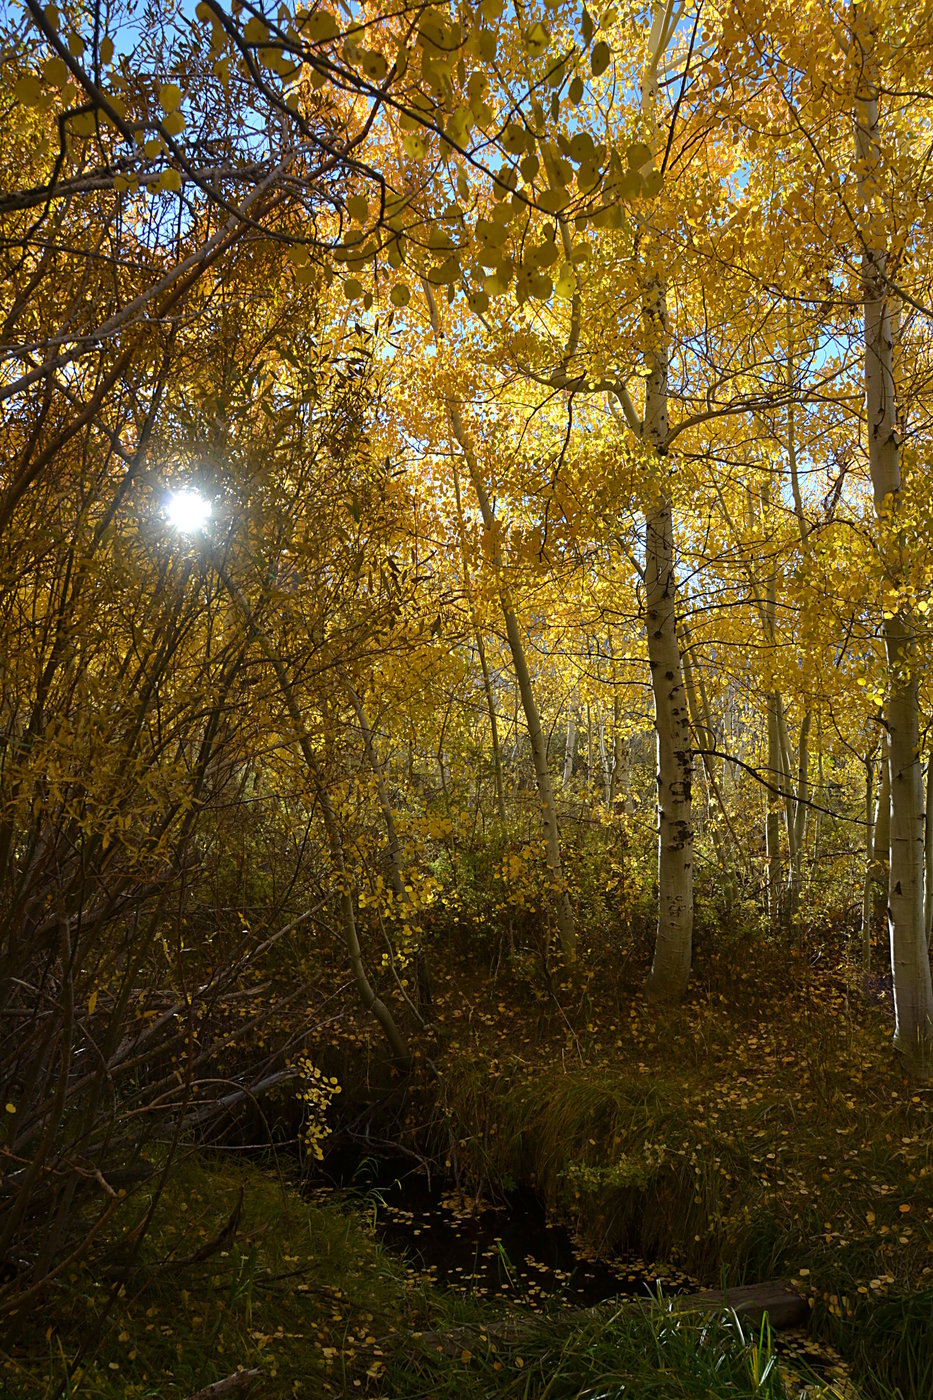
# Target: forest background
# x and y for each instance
(465, 536)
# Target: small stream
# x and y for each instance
(509, 1252)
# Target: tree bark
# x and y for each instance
(869, 862)
(570, 746)
(928, 857)
(670, 968)
(776, 776)
(910, 961)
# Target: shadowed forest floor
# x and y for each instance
(762, 1130)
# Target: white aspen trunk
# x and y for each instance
(910, 961)
(604, 759)
(795, 865)
(787, 784)
(773, 818)
(670, 968)
(570, 746)
(700, 719)
(869, 863)
(928, 857)
(618, 752)
(881, 843)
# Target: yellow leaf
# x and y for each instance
(652, 184)
(28, 90)
(553, 200)
(637, 155)
(55, 71)
(255, 31)
(600, 58)
(92, 1003)
(373, 65)
(537, 38)
(170, 97)
(321, 26)
(414, 146)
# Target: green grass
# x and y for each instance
(759, 1132)
(305, 1294)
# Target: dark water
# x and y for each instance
(459, 1243)
(511, 1252)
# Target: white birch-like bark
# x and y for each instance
(570, 746)
(670, 968)
(773, 817)
(928, 857)
(869, 862)
(910, 961)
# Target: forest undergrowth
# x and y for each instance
(760, 1131)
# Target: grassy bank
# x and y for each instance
(762, 1130)
(303, 1295)
(749, 1134)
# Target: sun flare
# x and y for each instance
(187, 511)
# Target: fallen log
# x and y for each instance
(239, 1381)
(783, 1306)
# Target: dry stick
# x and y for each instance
(240, 1380)
(563, 910)
(703, 734)
(481, 650)
(368, 996)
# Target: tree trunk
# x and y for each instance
(493, 727)
(481, 652)
(795, 864)
(928, 857)
(776, 776)
(910, 961)
(670, 968)
(869, 864)
(570, 746)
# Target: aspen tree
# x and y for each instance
(910, 962)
